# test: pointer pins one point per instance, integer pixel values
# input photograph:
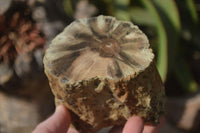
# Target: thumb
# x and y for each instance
(58, 123)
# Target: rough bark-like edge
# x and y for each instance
(151, 116)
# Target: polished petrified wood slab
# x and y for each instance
(103, 70)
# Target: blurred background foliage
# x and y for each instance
(173, 29)
(28, 26)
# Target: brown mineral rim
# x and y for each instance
(103, 71)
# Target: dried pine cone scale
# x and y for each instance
(104, 65)
(20, 38)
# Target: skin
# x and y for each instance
(59, 123)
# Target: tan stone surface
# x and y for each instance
(103, 70)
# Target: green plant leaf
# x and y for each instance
(122, 2)
(121, 9)
(169, 9)
(192, 10)
(162, 59)
(122, 15)
(68, 7)
(141, 16)
(169, 14)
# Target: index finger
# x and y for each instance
(58, 123)
(134, 124)
(154, 129)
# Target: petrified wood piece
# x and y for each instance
(103, 71)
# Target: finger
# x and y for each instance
(116, 129)
(154, 129)
(72, 130)
(57, 123)
(134, 124)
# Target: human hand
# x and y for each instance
(59, 123)
(135, 124)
